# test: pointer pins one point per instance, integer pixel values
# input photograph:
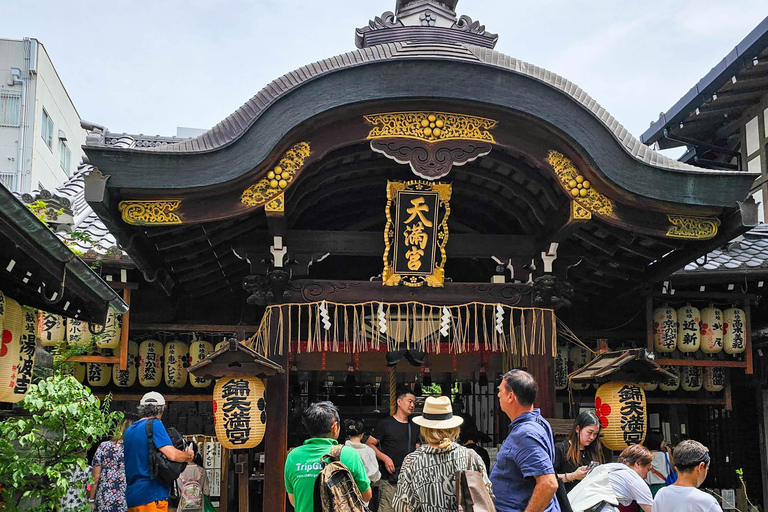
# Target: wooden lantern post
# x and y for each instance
(236, 360)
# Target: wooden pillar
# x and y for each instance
(241, 469)
(542, 367)
(224, 485)
(276, 435)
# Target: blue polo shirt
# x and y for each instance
(141, 488)
(527, 452)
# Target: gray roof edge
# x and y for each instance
(711, 82)
(227, 131)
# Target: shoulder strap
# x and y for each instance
(152, 448)
(336, 451)
(655, 472)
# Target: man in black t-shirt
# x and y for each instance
(396, 437)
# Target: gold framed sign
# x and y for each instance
(416, 233)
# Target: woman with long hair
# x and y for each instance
(428, 475)
(574, 455)
(107, 493)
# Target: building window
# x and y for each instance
(65, 156)
(46, 130)
(10, 108)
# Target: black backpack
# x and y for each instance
(160, 467)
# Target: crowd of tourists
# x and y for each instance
(428, 463)
(419, 465)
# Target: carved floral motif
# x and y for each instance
(150, 213)
(431, 126)
(697, 228)
(578, 187)
(278, 178)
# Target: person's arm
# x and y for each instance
(92, 493)
(383, 457)
(646, 508)
(546, 486)
(177, 455)
(290, 498)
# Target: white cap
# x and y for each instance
(152, 398)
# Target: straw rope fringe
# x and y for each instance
(518, 332)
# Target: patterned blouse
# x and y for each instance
(428, 478)
(110, 490)
(75, 496)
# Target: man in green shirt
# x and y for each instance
(303, 463)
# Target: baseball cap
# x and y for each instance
(152, 398)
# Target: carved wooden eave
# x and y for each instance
(634, 365)
(235, 359)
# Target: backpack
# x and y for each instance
(335, 489)
(190, 494)
(471, 493)
(160, 467)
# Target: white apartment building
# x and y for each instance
(40, 133)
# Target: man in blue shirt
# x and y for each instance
(143, 493)
(524, 478)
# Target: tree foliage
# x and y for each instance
(39, 450)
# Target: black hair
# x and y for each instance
(653, 441)
(594, 450)
(318, 418)
(353, 428)
(401, 391)
(148, 410)
(523, 385)
(689, 454)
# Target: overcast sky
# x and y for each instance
(148, 67)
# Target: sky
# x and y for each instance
(150, 67)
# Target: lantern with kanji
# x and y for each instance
(150, 367)
(688, 329)
(714, 379)
(110, 337)
(199, 350)
(561, 368)
(671, 384)
(622, 411)
(78, 371)
(578, 357)
(51, 329)
(733, 331)
(665, 329)
(711, 330)
(10, 345)
(690, 378)
(98, 374)
(239, 411)
(127, 378)
(25, 361)
(77, 333)
(176, 363)
(649, 386)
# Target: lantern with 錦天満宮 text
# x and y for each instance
(733, 330)
(711, 330)
(127, 378)
(688, 329)
(150, 366)
(664, 329)
(622, 410)
(239, 411)
(51, 329)
(561, 368)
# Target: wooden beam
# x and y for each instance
(371, 243)
(195, 327)
(135, 397)
(735, 296)
(748, 336)
(117, 285)
(716, 363)
(124, 329)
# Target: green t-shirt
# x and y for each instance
(303, 465)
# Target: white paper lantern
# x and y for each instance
(711, 330)
(578, 357)
(240, 411)
(690, 378)
(199, 350)
(98, 374)
(10, 347)
(671, 384)
(51, 329)
(221, 344)
(734, 328)
(110, 337)
(78, 370)
(150, 367)
(176, 363)
(714, 379)
(78, 334)
(664, 329)
(649, 386)
(127, 378)
(689, 329)
(561, 368)
(25, 362)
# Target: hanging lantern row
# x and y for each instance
(690, 378)
(152, 363)
(55, 330)
(18, 340)
(687, 329)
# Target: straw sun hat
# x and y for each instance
(438, 414)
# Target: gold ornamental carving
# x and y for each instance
(430, 126)
(578, 212)
(694, 228)
(580, 189)
(275, 207)
(150, 213)
(278, 178)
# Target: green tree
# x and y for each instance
(40, 448)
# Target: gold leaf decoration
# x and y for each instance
(578, 212)
(579, 188)
(278, 178)
(696, 228)
(430, 126)
(150, 213)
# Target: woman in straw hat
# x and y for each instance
(428, 475)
